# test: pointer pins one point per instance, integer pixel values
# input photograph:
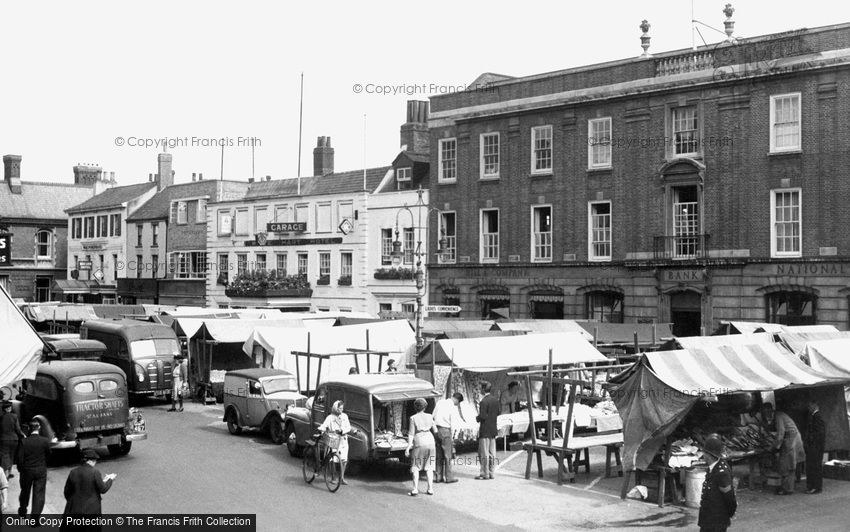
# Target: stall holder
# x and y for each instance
(565, 449)
(658, 393)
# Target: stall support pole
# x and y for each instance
(433, 363)
(595, 336)
(298, 374)
(637, 344)
(654, 332)
(368, 358)
(549, 402)
(308, 361)
(532, 450)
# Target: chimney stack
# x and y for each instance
(323, 157)
(12, 172)
(200, 176)
(194, 177)
(165, 175)
(414, 132)
(87, 175)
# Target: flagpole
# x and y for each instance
(300, 123)
(364, 151)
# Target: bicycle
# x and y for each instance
(323, 455)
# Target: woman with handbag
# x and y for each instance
(179, 383)
(421, 432)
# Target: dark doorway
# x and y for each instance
(547, 310)
(686, 313)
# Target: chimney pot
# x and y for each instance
(250, 179)
(194, 176)
(268, 178)
(200, 177)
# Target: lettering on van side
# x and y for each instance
(99, 404)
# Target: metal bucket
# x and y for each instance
(694, 479)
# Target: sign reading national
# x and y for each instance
(286, 227)
(5, 249)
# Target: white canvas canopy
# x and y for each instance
(505, 352)
(830, 356)
(543, 326)
(21, 345)
(394, 337)
(700, 342)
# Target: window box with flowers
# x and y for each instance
(345, 280)
(404, 274)
(264, 283)
(323, 280)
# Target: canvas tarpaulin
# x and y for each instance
(21, 345)
(394, 337)
(624, 333)
(497, 353)
(830, 356)
(796, 342)
(658, 391)
(542, 326)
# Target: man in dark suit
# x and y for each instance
(815, 442)
(10, 435)
(32, 464)
(488, 411)
(85, 485)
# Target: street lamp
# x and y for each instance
(397, 256)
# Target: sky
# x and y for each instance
(101, 82)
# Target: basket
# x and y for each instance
(331, 440)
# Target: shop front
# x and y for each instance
(138, 291)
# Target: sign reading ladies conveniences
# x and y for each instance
(286, 227)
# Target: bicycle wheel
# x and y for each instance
(308, 464)
(333, 473)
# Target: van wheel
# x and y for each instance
(120, 449)
(232, 425)
(292, 442)
(276, 431)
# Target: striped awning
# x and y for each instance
(720, 369)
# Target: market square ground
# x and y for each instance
(189, 462)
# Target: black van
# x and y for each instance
(145, 351)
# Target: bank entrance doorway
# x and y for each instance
(686, 313)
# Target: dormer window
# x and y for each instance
(404, 178)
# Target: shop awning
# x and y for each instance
(70, 286)
(497, 353)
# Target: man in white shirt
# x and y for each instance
(443, 414)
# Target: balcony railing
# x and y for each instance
(680, 64)
(681, 247)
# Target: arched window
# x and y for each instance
(791, 308)
(604, 306)
(44, 244)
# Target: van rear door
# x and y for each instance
(96, 403)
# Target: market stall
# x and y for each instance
(541, 326)
(626, 338)
(215, 347)
(459, 365)
(715, 388)
(280, 345)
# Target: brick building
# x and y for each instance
(32, 213)
(97, 243)
(689, 187)
(168, 236)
